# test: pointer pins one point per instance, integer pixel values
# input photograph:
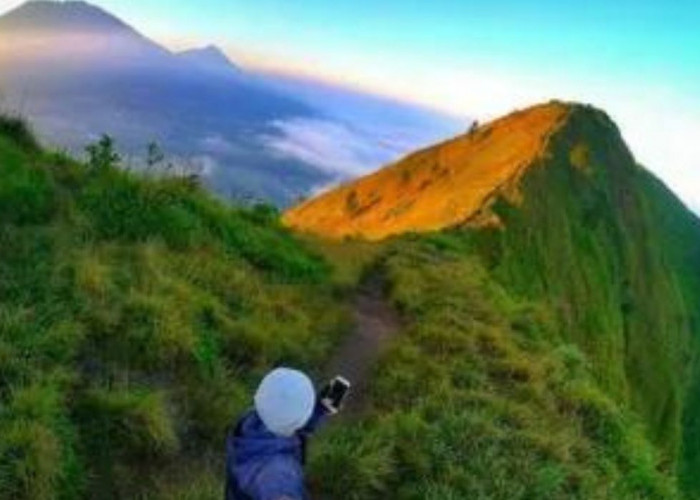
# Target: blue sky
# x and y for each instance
(621, 37)
(640, 60)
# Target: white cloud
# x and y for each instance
(330, 146)
(346, 149)
(6, 5)
(217, 144)
(353, 132)
(661, 125)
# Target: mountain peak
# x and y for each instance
(209, 57)
(443, 186)
(54, 16)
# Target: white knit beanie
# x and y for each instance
(285, 401)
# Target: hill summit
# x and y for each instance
(210, 59)
(50, 16)
(550, 203)
(447, 185)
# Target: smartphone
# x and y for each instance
(335, 395)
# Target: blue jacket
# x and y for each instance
(263, 466)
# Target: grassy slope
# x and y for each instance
(135, 317)
(546, 360)
(477, 400)
(616, 261)
(434, 188)
(551, 359)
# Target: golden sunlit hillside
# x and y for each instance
(439, 187)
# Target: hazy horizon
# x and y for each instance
(636, 60)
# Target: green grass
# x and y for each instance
(19, 132)
(476, 400)
(556, 358)
(553, 358)
(616, 261)
(136, 316)
(351, 260)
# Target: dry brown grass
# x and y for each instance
(439, 187)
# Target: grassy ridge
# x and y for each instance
(553, 358)
(477, 400)
(136, 314)
(616, 261)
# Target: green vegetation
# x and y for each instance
(135, 317)
(476, 401)
(554, 358)
(17, 130)
(616, 261)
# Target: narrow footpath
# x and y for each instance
(376, 324)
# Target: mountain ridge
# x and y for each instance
(605, 256)
(77, 83)
(553, 356)
(62, 16)
(445, 185)
(210, 57)
(249, 132)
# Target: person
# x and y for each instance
(266, 449)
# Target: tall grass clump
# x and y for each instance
(18, 131)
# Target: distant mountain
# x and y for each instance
(77, 71)
(62, 17)
(73, 33)
(210, 58)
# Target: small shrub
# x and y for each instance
(136, 422)
(26, 194)
(17, 130)
(102, 155)
(264, 215)
(154, 155)
(352, 202)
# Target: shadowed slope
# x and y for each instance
(436, 188)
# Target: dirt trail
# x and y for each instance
(376, 323)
